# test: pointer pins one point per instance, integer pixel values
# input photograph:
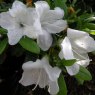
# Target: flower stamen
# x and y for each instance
(37, 80)
(21, 25)
(79, 55)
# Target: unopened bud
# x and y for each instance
(29, 3)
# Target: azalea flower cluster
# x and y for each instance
(39, 23)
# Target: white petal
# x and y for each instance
(75, 34)
(53, 88)
(76, 47)
(73, 70)
(43, 79)
(32, 72)
(84, 63)
(41, 7)
(17, 7)
(29, 77)
(55, 26)
(67, 49)
(86, 43)
(14, 36)
(33, 25)
(31, 16)
(44, 41)
(55, 14)
(6, 21)
(32, 65)
(61, 55)
(53, 72)
(17, 4)
(80, 56)
(31, 32)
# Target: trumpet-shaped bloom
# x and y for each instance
(76, 46)
(19, 21)
(42, 74)
(50, 22)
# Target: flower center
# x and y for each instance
(21, 25)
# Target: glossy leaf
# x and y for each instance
(29, 45)
(90, 26)
(62, 86)
(49, 2)
(3, 31)
(83, 74)
(3, 44)
(80, 81)
(68, 62)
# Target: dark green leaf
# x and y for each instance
(90, 26)
(29, 45)
(91, 19)
(3, 10)
(83, 74)
(85, 16)
(49, 2)
(80, 81)
(3, 44)
(68, 62)
(3, 31)
(62, 86)
(74, 2)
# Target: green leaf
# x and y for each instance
(62, 86)
(3, 44)
(90, 26)
(3, 31)
(91, 19)
(3, 10)
(59, 3)
(49, 2)
(86, 30)
(29, 45)
(73, 3)
(83, 74)
(80, 81)
(86, 16)
(68, 62)
(92, 32)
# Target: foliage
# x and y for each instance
(77, 18)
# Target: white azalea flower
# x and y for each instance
(81, 41)
(50, 22)
(42, 74)
(19, 21)
(76, 46)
